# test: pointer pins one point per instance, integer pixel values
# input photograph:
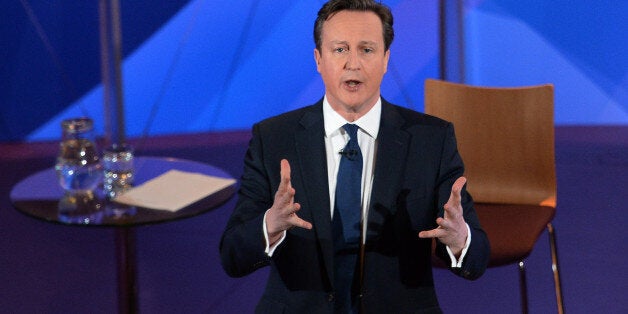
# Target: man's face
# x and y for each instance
(352, 61)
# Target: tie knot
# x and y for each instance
(352, 129)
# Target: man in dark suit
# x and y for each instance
(410, 191)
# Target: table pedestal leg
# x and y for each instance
(125, 258)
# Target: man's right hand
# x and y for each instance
(282, 215)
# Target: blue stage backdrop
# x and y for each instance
(200, 65)
(211, 65)
(50, 61)
(581, 46)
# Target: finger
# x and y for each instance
(445, 224)
(285, 172)
(284, 197)
(287, 179)
(434, 233)
(455, 198)
(456, 188)
(298, 222)
(440, 222)
(295, 208)
(285, 192)
(453, 211)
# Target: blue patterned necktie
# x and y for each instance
(348, 209)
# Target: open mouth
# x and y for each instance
(352, 84)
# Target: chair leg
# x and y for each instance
(555, 270)
(523, 287)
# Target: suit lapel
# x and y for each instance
(392, 147)
(310, 147)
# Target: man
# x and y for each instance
(409, 188)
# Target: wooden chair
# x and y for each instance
(506, 140)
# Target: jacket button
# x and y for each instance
(330, 297)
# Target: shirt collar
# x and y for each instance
(369, 122)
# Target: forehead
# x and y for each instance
(353, 26)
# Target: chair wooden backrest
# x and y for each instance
(505, 137)
(506, 140)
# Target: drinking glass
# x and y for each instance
(118, 171)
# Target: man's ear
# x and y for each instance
(317, 59)
(387, 57)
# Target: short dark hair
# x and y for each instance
(334, 6)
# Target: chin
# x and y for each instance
(357, 102)
(353, 105)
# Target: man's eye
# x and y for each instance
(368, 50)
(339, 49)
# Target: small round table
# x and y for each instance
(40, 196)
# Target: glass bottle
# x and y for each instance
(78, 165)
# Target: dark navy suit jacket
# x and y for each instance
(416, 164)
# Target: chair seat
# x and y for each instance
(512, 229)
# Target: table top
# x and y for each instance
(40, 196)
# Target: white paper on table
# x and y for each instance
(173, 190)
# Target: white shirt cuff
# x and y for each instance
(269, 250)
(457, 263)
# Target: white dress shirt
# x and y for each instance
(336, 139)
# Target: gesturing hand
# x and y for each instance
(452, 229)
(282, 215)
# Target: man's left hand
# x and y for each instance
(452, 229)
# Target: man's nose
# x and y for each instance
(353, 61)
